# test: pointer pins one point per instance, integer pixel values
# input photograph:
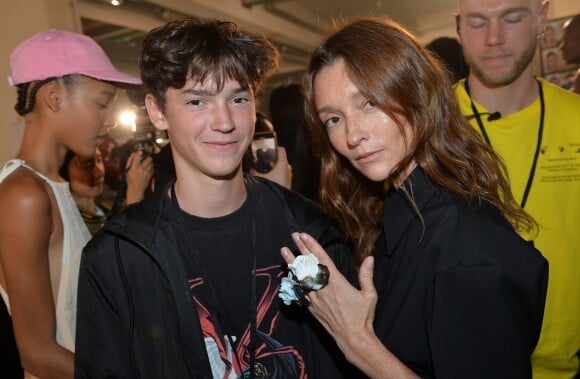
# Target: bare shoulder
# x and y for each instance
(24, 196)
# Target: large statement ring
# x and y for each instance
(305, 274)
(319, 281)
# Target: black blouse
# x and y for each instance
(461, 295)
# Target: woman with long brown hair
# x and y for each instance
(448, 288)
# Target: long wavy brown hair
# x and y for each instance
(394, 71)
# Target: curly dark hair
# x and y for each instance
(393, 70)
(193, 48)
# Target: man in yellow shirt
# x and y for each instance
(535, 127)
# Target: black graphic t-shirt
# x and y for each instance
(219, 255)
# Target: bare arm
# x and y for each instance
(24, 247)
(348, 314)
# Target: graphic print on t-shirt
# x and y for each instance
(272, 359)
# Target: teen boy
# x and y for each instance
(185, 285)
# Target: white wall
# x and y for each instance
(563, 8)
(19, 20)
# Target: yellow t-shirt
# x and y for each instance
(554, 201)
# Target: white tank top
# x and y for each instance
(75, 236)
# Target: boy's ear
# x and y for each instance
(155, 112)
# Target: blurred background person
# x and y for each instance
(448, 51)
(133, 167)
(566, 80)
(287, 115)
(86, 177)
(571, 48)
(112, 168)
(281, 171)
(87, 182)
(138, 177)
(553, 62)
(549, 38)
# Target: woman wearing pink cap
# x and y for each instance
(66, 84)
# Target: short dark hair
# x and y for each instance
(193, 48)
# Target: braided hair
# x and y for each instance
(27, 92)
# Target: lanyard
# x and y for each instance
(538, 145)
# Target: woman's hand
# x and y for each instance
(348, 314)
(344, 311)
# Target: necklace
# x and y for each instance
(477, 116)
(93, 217)
(256, 369)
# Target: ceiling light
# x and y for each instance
(116, 3)
(127, 118)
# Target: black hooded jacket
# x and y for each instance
(136, 318)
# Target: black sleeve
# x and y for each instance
(485, 322)
(101, 344)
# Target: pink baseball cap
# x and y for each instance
(56, 53)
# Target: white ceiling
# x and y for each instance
(295, 26)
